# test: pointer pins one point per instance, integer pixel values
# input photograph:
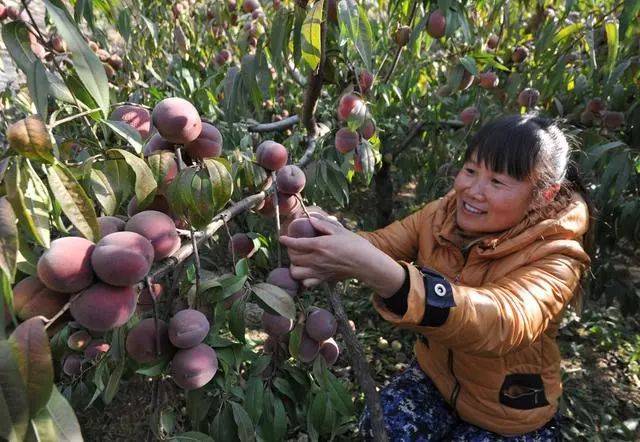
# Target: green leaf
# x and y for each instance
(237, 322)
(34, 359)
(355, 26)
(311, 36)
(86, 63)
(162, 163)
(367, 160)
(295, 337)
(114, 382)
(276, 299)
(254, 398)
(8, 239)
(280, 31)
(75, 203)
(103, 191)
(613, 43)
(38, 84)
(59, 417)
(246, 431)
(15, 36)
(30, 200)
(145, 185)
(155, 369)
(14, 406)
(224, 427)
(152, 28)
(221, 181)
(339, 395)
(126, 132)
(191, 436)
(567, 32)
(284, 387)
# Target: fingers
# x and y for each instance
(303, 245)
(302, 273)
(311, 282)
(325, 226)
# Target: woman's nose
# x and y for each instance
(477, 189)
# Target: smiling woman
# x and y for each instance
(483, 276)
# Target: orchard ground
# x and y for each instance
(600, 365)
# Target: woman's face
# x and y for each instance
(488, 201)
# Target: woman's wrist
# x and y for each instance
(382, 274)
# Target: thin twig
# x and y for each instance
(61, 311)
(155, 313)
(276, 126)
(276, 205)
(233, 252)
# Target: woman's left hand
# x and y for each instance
(338, 254)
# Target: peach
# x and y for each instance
(193, 368)
(103, 307)
(188, 328)
(346, 140)
(437, 24)
(276, 325)
(142, 341)
(177, 120)
(290, 179)
(135, 116)
(159, 229)
(271, 155)
(321, 324)
(122, 258)
(32, 298)
(281, 277)
(66, 266)
(156, 143)
(208, 144)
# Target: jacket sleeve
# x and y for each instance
(497, 318)
(399, 239)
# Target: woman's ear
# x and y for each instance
(550, 192)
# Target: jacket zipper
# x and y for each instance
(456, 388)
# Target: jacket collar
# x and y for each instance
(566, 217)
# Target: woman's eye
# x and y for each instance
(469, 170)
(494, 181)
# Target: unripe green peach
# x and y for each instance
(66, 266)
(290, 179)
(437, 24)
(177, 120)
(346, 140)
(188, 328)
(271, 155)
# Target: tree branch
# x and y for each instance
(276, 126)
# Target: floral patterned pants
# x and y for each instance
(415, 411)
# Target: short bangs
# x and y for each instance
(509, 145)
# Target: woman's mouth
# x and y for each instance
(471, 209)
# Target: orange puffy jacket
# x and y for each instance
(488, 320)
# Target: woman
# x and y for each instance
(483, 276)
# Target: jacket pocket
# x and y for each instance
(523, 391)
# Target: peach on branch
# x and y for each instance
(78, 340)
(249, 6)
(290, 179)
(466, 81)
(276, 325)
(103, 55)
(469, 115)
(321, 324)
(72, 365)
(223, 57)
(281, 277)
(103, 307)
(122, 258)
(109, 225)
(402, 35)
(519, 54)
(365, 81)
(156, 143)
(194, 367)
(301, 228)
(208, 144)
(3, 12)
(492, 41)
(188, 328)
(242, 246)
(109, 70)
(587, 118)
(143, 339)
(66, 266)
(96, 348)
(351, 107)
(329, 351)
(437, 24)
(488, 80)
(528, 97)
(346, 140)
(596, 106)
(115, 61)
(271, 155)
(309, 348)
(612, 120)
(32, 298)
(58, 44)
(177, 120)
(135, 116)
(159, 229)
(368, 129)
